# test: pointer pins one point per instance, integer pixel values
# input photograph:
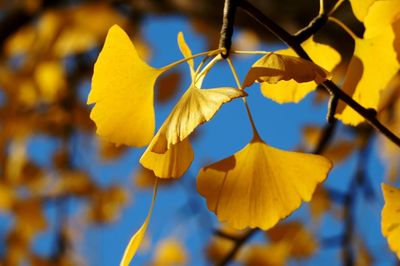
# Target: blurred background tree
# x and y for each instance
(50, 190)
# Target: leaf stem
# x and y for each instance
(235, 75)
(183, 60)
(249, 52)
(321, 7)
(335, 7)
(344, 27)
(207, 68)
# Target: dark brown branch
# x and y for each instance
(291, 41)
(333, 103)
(326, 136)
(313, 27)
(228, 21)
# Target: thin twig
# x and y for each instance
(290, 40)
(313, 27)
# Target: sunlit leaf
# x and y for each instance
(186, 52)
(391, 217)
(291, 91)
(122, 90)
(381, 14)
(274, 67)
(195, 107)
(137, 238)
(374, 57)
(171, 164)
(260, 185)
(361, 7)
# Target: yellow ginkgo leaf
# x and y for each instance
(196, 107)
(361, 7)
(391, 217)
(260, 185)
(274, 67)
(291, 91)
(137, 238)
(381, 15)
(374, 57)
(122, 90)
(186, 52)
(171, 164)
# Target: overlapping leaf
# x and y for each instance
(260, 185)
(196, 107)
(361, 7)
(170, 153)
(274, 67)
(291, 91)
(381, 14)
(374, 57)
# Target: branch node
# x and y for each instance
(333, 103)
(228, 20)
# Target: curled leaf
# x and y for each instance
(196, 107)
(171, 164)
(274, 67)
(291, 91)
(260, 185)
(122, 91)
(186, 52)
(391, 217)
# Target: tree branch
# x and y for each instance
(291, 41)
(228, 21)
(313, 27)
